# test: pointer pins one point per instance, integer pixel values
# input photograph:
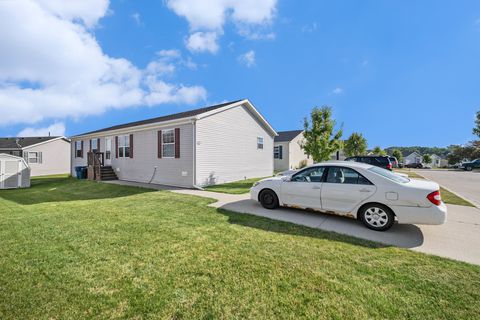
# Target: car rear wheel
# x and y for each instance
(268, 199)
(469, 168)
(377, 217)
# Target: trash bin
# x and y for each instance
(81, 172)
(84, 172)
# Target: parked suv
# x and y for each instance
(414, 165)
(469, 166)
(379, 161)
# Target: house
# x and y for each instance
(44, 155)
(413, 157)
(437, 161)
(216, 144)
(287, 153)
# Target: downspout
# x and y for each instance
(194, 146)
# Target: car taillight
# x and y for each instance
(389, 166)
(435, 198)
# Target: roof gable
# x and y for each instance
(17, 143)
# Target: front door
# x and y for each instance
(344, 189)
(303, 190)
(108, 152)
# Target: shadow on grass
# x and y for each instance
(61, 189)
(283, 220)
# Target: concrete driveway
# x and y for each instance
(458, 238)
(465, 184)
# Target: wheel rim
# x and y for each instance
(376, 217)
(267, 199)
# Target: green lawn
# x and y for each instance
(79, 249)
(236, 187)
(447, 196)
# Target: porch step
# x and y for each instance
(107, 173)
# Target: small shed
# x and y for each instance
(14, 172)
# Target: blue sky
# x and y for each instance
(400, 72)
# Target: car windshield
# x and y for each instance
(389, 175)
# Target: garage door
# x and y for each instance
(9, 177)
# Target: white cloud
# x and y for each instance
(136, 17)
(310, 27)
(202, 42)
(53, 67)
(208, 17)
(248, 58)
(337, 91)
(56, 129)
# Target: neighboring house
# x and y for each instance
(437, 161)
(44, 155)
(216, 144)
(413, 157)
(287, 153)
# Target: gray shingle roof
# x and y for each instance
(285, 136)
(180, 115)
(21, 142)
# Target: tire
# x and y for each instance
(377, 217)
(469, 168)
(268, 199)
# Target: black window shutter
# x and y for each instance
(280, 152)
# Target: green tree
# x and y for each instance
(397, 154)
(427, 158)
(476, 129)
(355, 145)
(378, 151)
(320, 139)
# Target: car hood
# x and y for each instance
(277, 178)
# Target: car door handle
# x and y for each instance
(316, 188)
(364, 190)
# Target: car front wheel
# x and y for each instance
(268, 199)
(469, 168)
(377, 217)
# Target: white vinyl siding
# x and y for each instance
(52, 157)
(141, 168)
(227, 147)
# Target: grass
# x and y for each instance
(78, 249)
(236, 187)
(447, 196)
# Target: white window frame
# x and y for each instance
(78, 147)
(276, 152)
(94, 141)
(123, 144)
(29, 157)
(260, 143)
(164, 144)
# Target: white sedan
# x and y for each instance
(371, 194)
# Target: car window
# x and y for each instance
(382, 160)
(366, 160)
(346, 176)
(309, 175)
(389, 175)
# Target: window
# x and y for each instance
(168, 143)
(94, 144)
(124, 147)
(277, 152)
(346, 176)
(78, 149)
(108, 148)
(389, 175)
(16, 153)
(34, 157)
(314, 174)
(259, 143)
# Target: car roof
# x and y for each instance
(350, 164)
